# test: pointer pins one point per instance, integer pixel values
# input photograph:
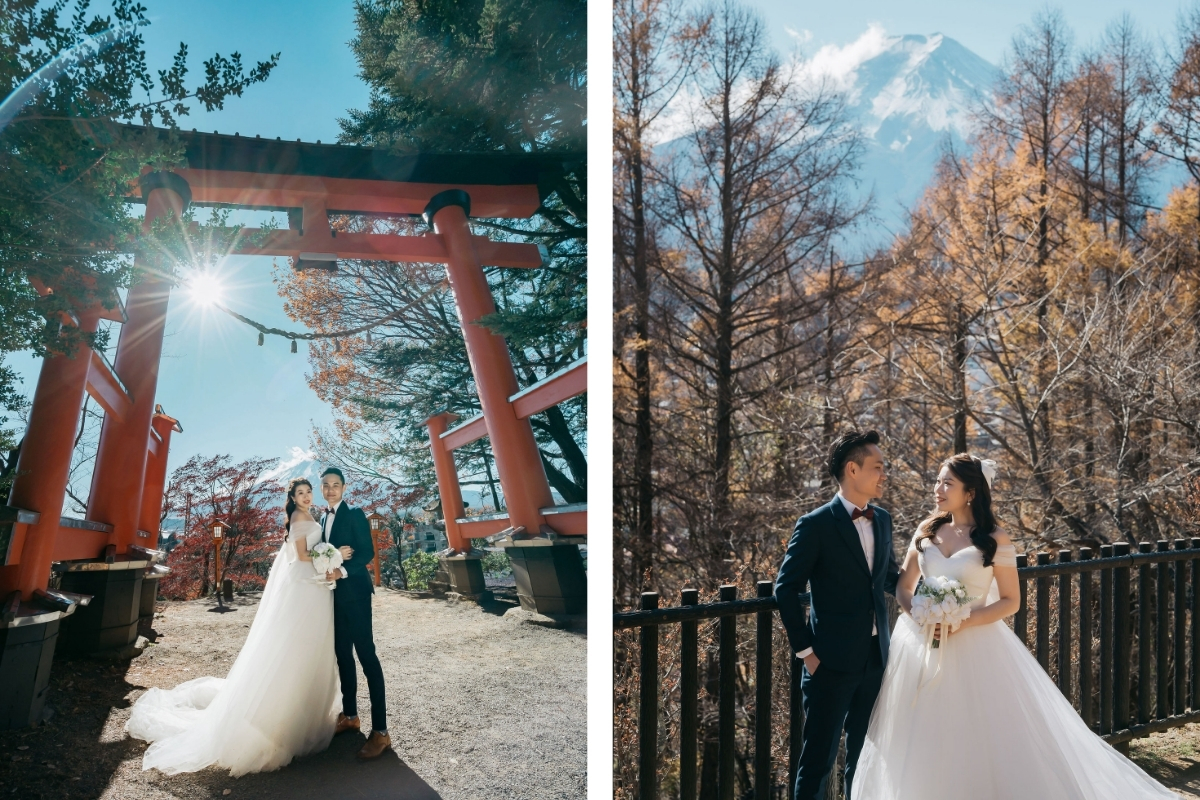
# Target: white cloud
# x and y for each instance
(802, 37)
(837, 63)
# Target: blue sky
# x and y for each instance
(230, 395)
(984, 26)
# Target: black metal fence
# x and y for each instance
(1120, 634)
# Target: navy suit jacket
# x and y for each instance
(350, 527)
(846, 597)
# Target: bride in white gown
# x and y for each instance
(280, 698)
(988, 724)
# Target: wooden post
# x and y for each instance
(1180, 666)
(1145, 615)
(1162, 633)
(726, 724)
(1121, 640)
(1043, 615)
(1106, 643)
(762, 696)
(1064, 627)
(689, 698)
(1195, 688)
(1086, 709)
(1021, 621)
(648, 706)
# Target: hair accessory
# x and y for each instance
(989, 470)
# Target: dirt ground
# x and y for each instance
(1173, 757)
(480, 704)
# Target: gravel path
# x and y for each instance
(480, 704)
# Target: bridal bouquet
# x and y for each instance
(941, 600)
(324, 558)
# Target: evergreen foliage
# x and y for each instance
(499, 75)
(68, 169)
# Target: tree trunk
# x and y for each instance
(723, 433)
(960, 382)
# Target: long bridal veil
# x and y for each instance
(280, 698)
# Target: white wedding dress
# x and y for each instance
(990, 724)
(280, 698)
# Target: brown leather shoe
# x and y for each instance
(344, 724)
(376, 743)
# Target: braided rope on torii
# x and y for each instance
(293, 335)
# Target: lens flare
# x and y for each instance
(205, 289)
(78, 55)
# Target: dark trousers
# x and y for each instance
(833, 701)
(352, 634)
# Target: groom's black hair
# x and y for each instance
(334, 471)
(850, 446)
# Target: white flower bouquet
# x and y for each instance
(941, 600)
(325, 557)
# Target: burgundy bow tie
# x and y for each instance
(867, 512)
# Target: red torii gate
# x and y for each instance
(106, 556)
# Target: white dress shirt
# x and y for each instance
(327, 526)
(866, 532)
(866, 537)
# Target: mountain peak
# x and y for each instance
(911, 78)
(908, 94)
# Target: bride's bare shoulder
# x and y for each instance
(1001, 537)
(301, 516)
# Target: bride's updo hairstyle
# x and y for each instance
(290, 506)
(969, 470)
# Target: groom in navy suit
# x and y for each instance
(347, 529)
(842, 554)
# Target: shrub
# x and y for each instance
(420, 569)
(496, 563)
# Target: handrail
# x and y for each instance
(1133, 559)
(666, 616)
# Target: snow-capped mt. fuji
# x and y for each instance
(907, 94)
(892, 80)
(302, 463)
(298, 463)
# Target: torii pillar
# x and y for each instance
(161, 428)
(27, 651)
(120, 473)
(549, 575)
(45, 461)
(121, 484)
(447, 481)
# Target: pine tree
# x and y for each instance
(495, 76)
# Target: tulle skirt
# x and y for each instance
(990, 725)
(279, 700)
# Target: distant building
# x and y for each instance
(424, 538)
